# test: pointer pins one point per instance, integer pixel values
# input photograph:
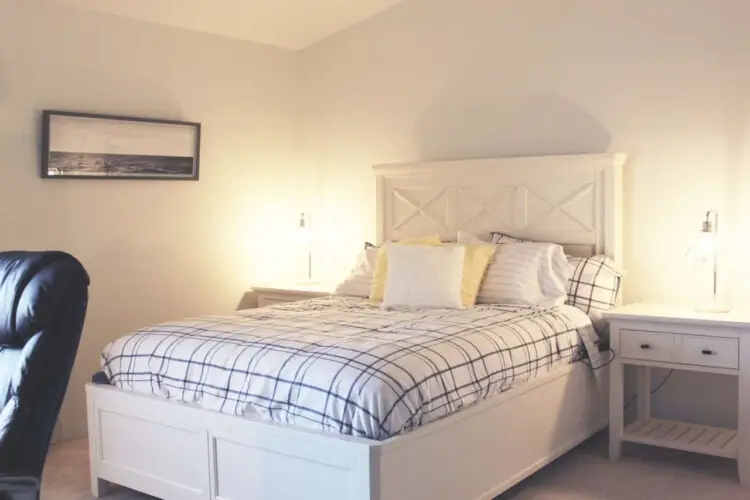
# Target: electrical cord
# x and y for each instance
(653, 391)
(586, 359)
(611, 359)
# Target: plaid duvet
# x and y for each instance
(342, 364)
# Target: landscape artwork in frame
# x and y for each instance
(86, 146)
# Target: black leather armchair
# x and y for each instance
(43, 300)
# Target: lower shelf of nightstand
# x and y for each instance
(683, 436)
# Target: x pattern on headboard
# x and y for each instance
(565, 199)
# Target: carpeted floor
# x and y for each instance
(644, 473)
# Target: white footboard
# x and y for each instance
(175, 451)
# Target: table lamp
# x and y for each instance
(707, 249)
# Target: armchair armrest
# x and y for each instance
(19, 488)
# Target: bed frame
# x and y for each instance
(175, 451)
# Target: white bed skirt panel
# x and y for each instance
(175, 451)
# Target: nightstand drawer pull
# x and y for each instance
(708, 352)
(645, 346)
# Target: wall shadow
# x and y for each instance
(478, 121)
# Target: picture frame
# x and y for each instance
(98, 146)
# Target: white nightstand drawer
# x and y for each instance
(652, 346)
(710, 351)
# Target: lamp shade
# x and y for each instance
(706, 245)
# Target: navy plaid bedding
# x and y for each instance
(342, 364)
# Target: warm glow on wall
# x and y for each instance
(269, 241)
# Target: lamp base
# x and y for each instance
(712, 309)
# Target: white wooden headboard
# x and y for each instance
(572, 199)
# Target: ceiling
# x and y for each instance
(290, 24)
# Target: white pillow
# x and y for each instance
(359, 282)
(524, 273)
(424, 277)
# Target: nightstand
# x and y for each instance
(268, 296)
(650, 336)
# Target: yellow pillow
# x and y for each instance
(381, 267)
(476, 262)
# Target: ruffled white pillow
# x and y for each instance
(359, 281)
(424, 277)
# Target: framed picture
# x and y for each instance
(87, 146)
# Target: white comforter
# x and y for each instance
(342, 364)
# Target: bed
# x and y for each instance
(187, 427)
(344, 365)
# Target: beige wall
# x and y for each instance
(430, 79)
(155, 250)
(667, 82)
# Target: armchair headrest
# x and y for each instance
(33, 285)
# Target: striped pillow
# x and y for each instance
(527, 274)
(595, 283)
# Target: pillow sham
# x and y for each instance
(359, 281)
(424, 277)
(377, 290)
(524, 273)
(594, 286)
